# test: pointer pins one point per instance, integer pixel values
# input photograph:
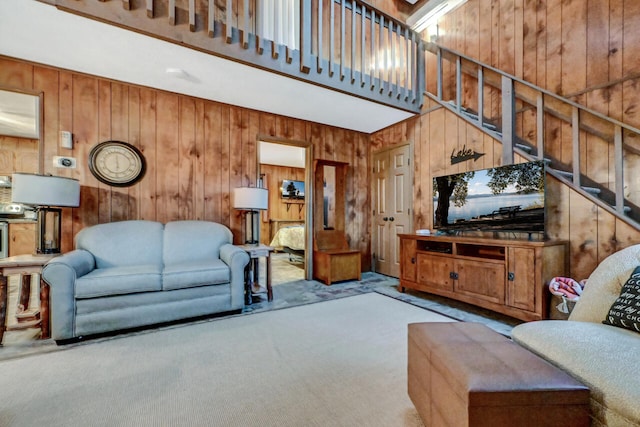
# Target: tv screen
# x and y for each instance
(292, 189)
(504, 198)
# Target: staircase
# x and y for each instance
(582, 148)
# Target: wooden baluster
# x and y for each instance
(275, 52)
(172, 12)
(618, 162)
(353, 41)
(363, 51)
(374, 51)
(407, 63)
(343, 32)
(126, 5)
(192, 15)
(320, 46)
(382, 50)
(211, 18)
(229, 22)
(245, 25)
(286, 25)
(149, 8)
(401, 61)
(392, 58)
(305, 36)
(332, 22)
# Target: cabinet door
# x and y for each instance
(408, 259)
(434, 271)
(22, 238)
(480, 279)
(521, 283)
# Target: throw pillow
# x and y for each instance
(625, 311)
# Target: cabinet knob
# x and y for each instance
(391, 219)
(385, 219)
(413, 260)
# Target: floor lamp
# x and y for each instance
(47, 193)
(252, 200)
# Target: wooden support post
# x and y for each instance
(149, 8)
(480, 96)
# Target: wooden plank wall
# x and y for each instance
(584, 48)
(278, 209)
(18, 155)
(196, 150)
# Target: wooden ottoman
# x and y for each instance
(465, 374)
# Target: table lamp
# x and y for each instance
(47, 193)
(251, 200)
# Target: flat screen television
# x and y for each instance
(293, 190)
(506, 198)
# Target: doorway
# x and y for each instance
(285, 169)
(391, 193)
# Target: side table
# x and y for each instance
(252, 284)
(26, 265)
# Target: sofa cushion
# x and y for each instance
(195, 273)
(118, 281)
(600, 356)
(124, 243)
(604, 285)
(191, 241)
(625, 311)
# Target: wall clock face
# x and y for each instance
(117, 163)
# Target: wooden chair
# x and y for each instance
(333, 261)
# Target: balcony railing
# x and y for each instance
(344, 45)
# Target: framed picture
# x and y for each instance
(292, 190)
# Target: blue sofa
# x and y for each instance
(136, 273)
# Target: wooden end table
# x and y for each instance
(25, 265)
(252, 285)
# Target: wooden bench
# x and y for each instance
(465, 374)
(333, 261)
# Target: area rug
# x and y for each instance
(335, 363)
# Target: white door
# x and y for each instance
(392, 200)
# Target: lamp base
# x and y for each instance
(48, 231)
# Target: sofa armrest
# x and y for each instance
(237, 259)
(61, 274)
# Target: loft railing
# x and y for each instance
(345, 45)
(582, 147)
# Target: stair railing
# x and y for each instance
(538, 124)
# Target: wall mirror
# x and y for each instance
(20, 132)
(329, 199)
(19, 114)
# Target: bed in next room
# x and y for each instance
(289, 239)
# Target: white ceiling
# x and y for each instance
(39, 32)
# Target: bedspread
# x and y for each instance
(291, 237)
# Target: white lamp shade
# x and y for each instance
(45, 190)
(250, 198)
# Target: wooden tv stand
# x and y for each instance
(505, 276)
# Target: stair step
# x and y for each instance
(524, 148)
(592, 190)
(566, 174)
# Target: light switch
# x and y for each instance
(66, 139)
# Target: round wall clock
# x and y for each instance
(117, 163)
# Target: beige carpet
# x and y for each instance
(335, 363)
